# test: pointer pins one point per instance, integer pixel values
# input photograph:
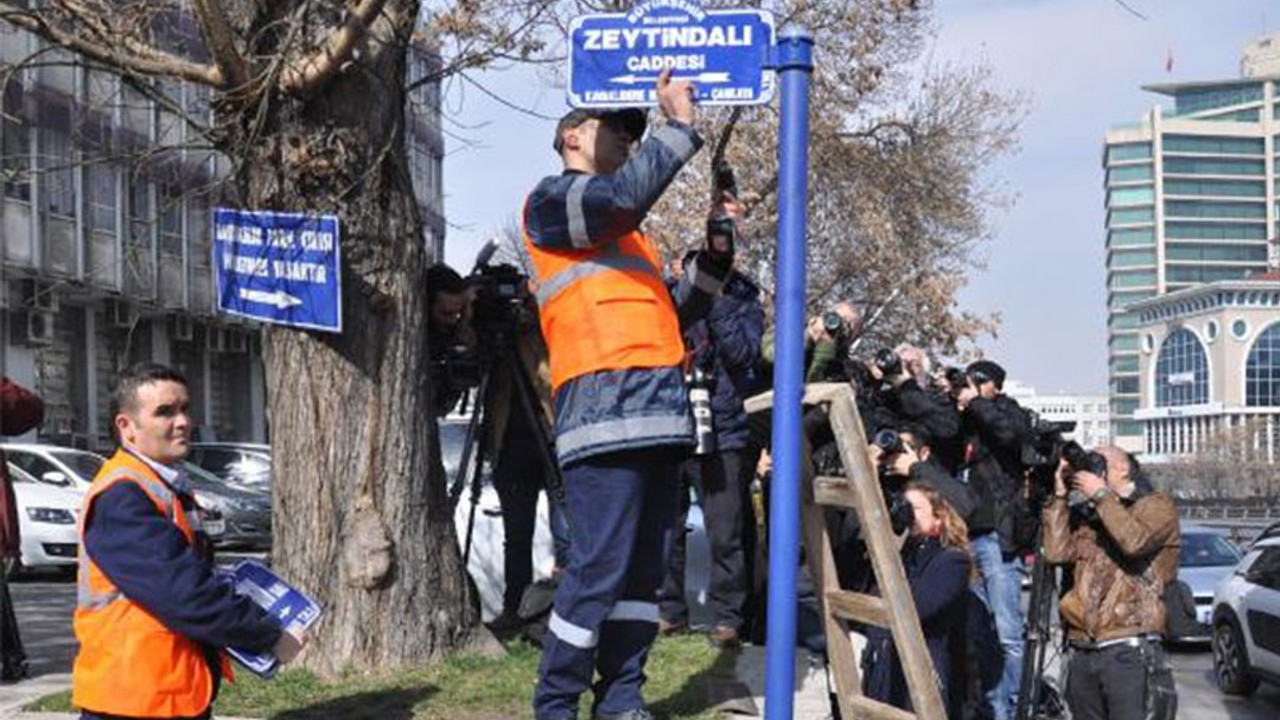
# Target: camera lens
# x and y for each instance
(888, 441)
(888, 361)
(832, 322)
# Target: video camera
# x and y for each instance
(499, 292)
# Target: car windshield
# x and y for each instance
(1206, 550)
(84, 464)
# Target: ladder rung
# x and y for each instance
(858, 607)
(834, 491)
(876, 710)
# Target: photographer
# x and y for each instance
(1001, 526)
(906, 397)
(1121, 537)
(448, 331)
(826, 344)
(623, 424)
(725, 350)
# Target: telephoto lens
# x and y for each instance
(700, 400)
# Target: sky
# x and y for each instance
(1082, 63)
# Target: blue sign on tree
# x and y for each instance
(278, 267)
(615, 58)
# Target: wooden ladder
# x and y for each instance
(894, 609)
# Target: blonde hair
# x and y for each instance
(954, 531)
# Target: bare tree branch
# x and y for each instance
(220, 42)
(309, 73)
(129, 54)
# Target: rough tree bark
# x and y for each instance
(361, 516)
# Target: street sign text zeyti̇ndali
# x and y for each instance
(616, 58)
(278, 267)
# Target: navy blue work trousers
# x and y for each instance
(605, 616)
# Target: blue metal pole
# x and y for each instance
(795, 62)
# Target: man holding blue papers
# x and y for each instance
(151, 615)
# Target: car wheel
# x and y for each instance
(1231, 661)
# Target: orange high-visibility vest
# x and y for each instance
(604, 308)
(130, 663)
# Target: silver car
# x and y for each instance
(1205, 558)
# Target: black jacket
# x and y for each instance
(933, 413)
(727, 344)
(938, 577)
(997, 429)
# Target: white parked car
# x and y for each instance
(54, 465)
(46, 521)
(1246, 621)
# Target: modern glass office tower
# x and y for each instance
(1191, 196)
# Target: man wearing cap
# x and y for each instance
(622, 417)
(1001, 526)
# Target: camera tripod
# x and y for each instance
(1039, 699)
(503, 357)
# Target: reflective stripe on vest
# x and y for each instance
(608, 260)
(129, 663)
(603, 308)
(86, 597)
(599, 433)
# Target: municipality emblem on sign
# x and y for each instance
(615, 58)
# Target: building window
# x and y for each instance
(1194, 274)
(1210, 145)
(1216, 231)
(1128, 151)
(57, 161)
(1135, 258)
(1212, 209)
(1223, 188)
(101, 181)
(1131, 173)
(1132, 279)
(1130, 216)
(1262, 369)
(1211, 330)
(1239, 329)
(1213, 166)
(16, 144)
(1182, 371)
(1191, 101)
(1219, 252)
(1138, 196)
(1131, 237)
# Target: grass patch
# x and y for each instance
(686, 677)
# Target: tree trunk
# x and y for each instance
(361, 518)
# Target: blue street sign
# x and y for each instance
(616, 58)
(278, 267)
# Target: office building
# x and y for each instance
(1191, 199)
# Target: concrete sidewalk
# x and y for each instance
(14, 696)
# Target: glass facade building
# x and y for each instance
(1191, 198)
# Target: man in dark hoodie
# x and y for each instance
(726, 347)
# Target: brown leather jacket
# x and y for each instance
(1123, 559)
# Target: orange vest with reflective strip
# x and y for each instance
(604, 308)
(130, 663)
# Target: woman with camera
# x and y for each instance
(936, 559)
